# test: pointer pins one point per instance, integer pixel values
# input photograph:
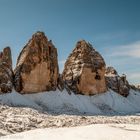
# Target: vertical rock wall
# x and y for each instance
(84, 70)
(37, 66)
(6, 73)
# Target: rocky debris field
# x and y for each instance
(19, 119)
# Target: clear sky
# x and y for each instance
(112, 26)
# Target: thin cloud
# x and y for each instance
(134, 78)
(134, 75)
(130, 50)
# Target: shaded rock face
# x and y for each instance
(84, 70)
(117, 83)
(6, 73)
(37, 66)
(60, 83)
(138, 87)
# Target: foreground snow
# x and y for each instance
(91, 132)
(63, 103)
(18, 119)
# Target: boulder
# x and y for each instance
(6, 72)
(37, 66)
(117, 83)
(84, 70)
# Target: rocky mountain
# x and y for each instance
(117, 83)
(84, 70)
(37, 70)
(6, 73)
(65, 99)
(37, 66)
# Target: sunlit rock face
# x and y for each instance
(6, 73)
(117, 83)
(37, 66)
(84, 70)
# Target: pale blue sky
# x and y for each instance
(112, 26)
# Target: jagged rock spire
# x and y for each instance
(6, 73)
(37, 66)
(117, 83)
(84, 70)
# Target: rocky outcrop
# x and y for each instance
(37, 66)
(117, 83)
(135, 87)
(6, 73)
(138, 86)
(84, 70)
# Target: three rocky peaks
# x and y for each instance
(37, 70)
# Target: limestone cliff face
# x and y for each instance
(37, 66)
(117, 83)
(6, 73)
(84, 70)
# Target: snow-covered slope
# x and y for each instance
(61, 102)
(115, 102)
(90, 132)
(16, 99)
